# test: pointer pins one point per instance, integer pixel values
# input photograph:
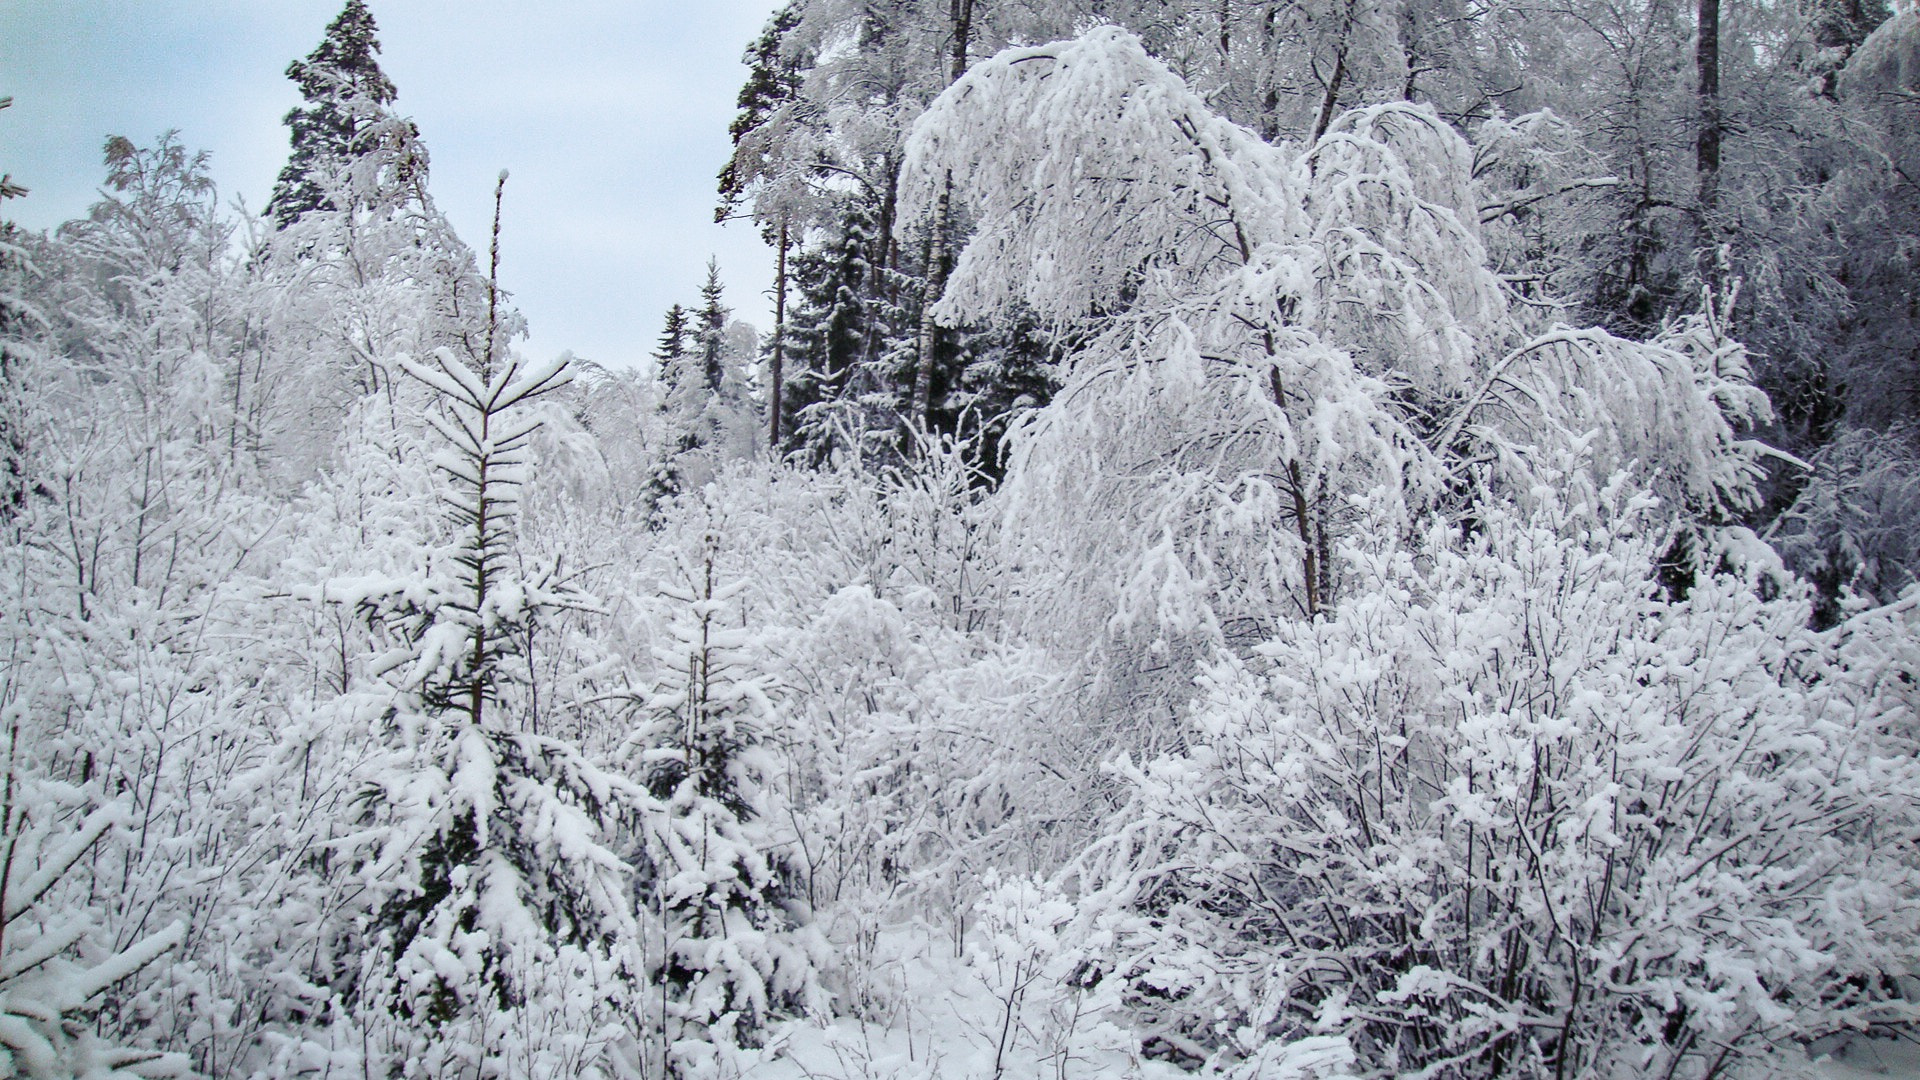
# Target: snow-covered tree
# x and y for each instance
(705, 409)
(131, 557)
(1852, 529)
(375, 272)
(15, 316)
(733, 955)
(1276, 347)
(501, 936)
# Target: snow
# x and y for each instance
(947, 1016)
(1860, 1058)
(1346, 661)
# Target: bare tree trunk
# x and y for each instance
(960, 13)
(936, 284)
(1328, 103)
(1706, 62)
(779, 340)
(1270, 92)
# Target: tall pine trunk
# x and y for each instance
(774, 404)
(1706, 62)
(960, 13)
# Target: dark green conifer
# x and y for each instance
(712, 329)
(327, 131)
(673, 339)
(774, 75)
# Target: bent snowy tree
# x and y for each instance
(1280, 338)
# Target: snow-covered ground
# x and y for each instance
(933, 1015)
(957, 1036)
(1878, 1059)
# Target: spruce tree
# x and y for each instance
(716, 881)
(510, 909)
(831, 328)
(338, 79)
(676, 384)
(673, 340)
(712, 329)
(692, 373)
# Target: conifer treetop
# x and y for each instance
(344, 60)
(339, 73)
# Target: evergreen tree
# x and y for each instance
(760, 131)
(769, 164)
(673, 340)
(510, 911)
(733, 958)
(345, 92)
(825, 335)
(677, 389)
(712, 330)
(14, 316)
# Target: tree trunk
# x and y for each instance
(1328, 103)
(960, 13)
(779, 340)
(922, 401)
(1706, 62)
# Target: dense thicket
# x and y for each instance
(1274, 539)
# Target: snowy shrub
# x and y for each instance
(1506, 809)
(1046, 1020)
(54, 965)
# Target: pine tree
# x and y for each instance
(764, 167)
(9, 189)
(344, 90)
(775, 75)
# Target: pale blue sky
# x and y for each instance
(611, 115)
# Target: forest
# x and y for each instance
(1283, 539)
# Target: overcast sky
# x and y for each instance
(611, 116)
